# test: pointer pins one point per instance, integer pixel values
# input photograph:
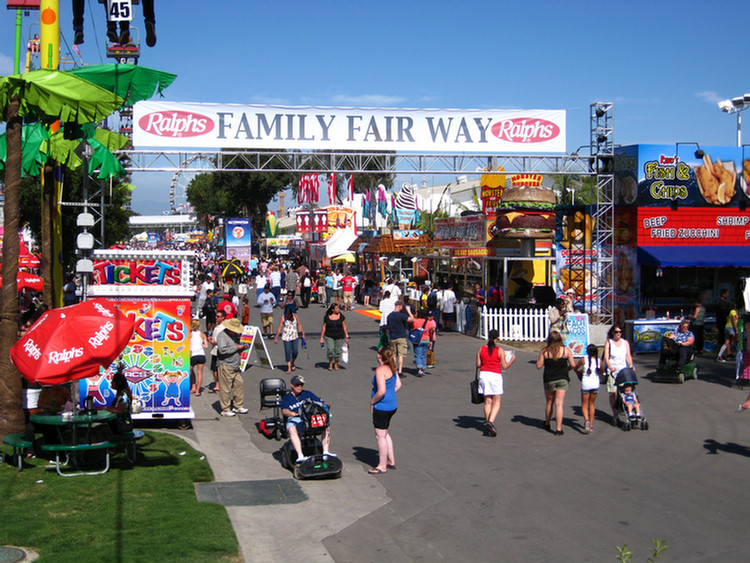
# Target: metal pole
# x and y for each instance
(739, 128)
(17, 57)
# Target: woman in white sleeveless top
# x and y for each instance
(616, 356)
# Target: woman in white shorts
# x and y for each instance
(491, 362)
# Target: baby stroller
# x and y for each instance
(272, 389)
(625, 377)
(667, 371)
(316, 418)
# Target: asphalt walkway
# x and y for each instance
(456, 495)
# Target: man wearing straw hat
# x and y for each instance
(231, 386)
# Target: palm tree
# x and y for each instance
(48, 96)
(11, 412)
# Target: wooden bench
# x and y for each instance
(20, 444)
(76, 449)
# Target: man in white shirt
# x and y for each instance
(449, 308)
(387, 305)
(396, 291)
(275, 279)
(267, 302)
(260, 283)
(338, 294)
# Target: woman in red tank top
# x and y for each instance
(491, 362)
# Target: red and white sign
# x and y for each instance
(693, 226)
(178, 124)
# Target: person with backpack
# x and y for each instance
(209, 311)
(432, 300)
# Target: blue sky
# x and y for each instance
(664, 64)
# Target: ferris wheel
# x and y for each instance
(196, 164)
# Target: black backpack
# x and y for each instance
(315, 415)
(432, 300)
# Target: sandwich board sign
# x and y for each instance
(254, 339)
(576, 333)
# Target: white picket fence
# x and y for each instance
(529, 325)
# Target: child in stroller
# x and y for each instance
(631, 400)
(628, 401)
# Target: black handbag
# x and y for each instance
(476, 397)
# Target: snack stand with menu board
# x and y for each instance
(682, 230)
(154, 288)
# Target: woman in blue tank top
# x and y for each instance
(383, 405)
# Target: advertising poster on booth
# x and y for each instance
(157, 358)
(238, 241)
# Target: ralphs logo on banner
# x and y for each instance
(176, 124)
(237, 126)
(525, 130)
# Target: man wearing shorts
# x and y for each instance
(338, 293)
(397, 326)
(290, 407)
(347, 285)
(266, 302)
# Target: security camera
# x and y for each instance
(725, 105)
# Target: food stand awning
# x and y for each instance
(694, 256)
(340, 242)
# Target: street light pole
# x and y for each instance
(739, 128)
(736, 105)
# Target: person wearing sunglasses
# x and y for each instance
(291, 406)
(617, 356)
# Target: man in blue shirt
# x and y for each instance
(290, 407)
(398, 332)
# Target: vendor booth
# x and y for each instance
(153, 288)
(682, 231)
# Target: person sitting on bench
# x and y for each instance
(290, 407)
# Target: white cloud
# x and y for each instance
(6, 65)
(709, 96)
(371, 100)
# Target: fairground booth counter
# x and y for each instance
(153, 287)
(682, 231)
(480, 248)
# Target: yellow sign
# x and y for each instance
(469, 252)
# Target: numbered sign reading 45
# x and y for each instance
(119, 10)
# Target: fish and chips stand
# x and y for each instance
(682, 231)
(153, 288)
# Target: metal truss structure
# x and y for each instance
(598, 165)
(356, 162)
(603, 236)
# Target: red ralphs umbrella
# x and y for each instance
(25, 258)
(72, 342)
(27, 281)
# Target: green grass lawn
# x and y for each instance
(147, 512)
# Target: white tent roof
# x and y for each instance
(340, 242)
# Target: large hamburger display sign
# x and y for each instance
(526, 210)
(236, 126)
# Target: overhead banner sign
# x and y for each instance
(235, 126)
